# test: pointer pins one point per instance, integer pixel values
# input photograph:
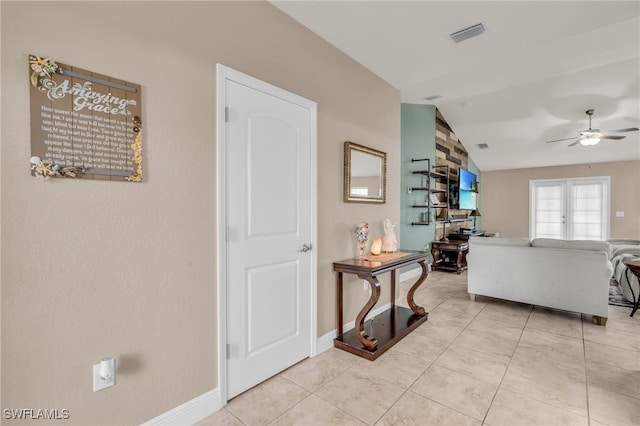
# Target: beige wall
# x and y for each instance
(93, 269)
(505, 196)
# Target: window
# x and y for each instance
(360, 191)
(569, 209)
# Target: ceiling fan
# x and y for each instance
(593, 136)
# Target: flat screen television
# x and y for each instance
(467, 190)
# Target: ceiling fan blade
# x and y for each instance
(612, 137)
(574, 143)
(630, 129)
(560, 140)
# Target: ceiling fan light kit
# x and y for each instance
(591, 136)
(589, 141)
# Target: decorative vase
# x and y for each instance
(362, 234)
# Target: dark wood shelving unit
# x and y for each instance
(441, 174)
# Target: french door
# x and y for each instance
(569, 209)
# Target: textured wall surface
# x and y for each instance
(93, 269)
(505, 196)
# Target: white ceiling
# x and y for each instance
(528, 79)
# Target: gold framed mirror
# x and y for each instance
(365, 174)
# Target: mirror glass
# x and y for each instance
(364, 174)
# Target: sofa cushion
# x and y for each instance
(500, 241)
(624, 241)
(573, 244)
(625, 249)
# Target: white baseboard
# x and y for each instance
(191, 412)
(201, 407)
(325, 342)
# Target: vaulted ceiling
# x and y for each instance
(528, 79)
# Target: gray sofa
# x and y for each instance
(622, 249)
(567, 275)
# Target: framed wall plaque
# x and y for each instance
(83, 124)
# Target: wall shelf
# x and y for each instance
(424, 188)
(439, 174)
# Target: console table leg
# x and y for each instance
(339, 327)
(415, 308)
(369, 342)
(393, 289)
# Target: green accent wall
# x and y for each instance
(418, 140)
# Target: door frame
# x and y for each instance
(224, 73)
(567, 185)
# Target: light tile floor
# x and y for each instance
(487, 362)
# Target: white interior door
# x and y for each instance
(270, 191)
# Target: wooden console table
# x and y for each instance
(456, 248)
(393, 324)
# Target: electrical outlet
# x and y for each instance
(366, 287)
(98, 382)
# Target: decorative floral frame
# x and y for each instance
(41, 78)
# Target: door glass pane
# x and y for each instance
(587, 211)
(549, 211)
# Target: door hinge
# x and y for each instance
(226, 234)
(226, 114)
(228, 350)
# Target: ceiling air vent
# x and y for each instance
(483, 146)
(466, 33)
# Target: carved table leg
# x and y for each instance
(459, 262)
(415, 308)
(369, 342)
(434, 254)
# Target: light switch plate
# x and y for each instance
(619, 214)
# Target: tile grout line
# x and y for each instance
(236, 417)
(408, 389)
(290, 408)
(508, 365)
(537, 399)
(586, 376)
(532, 325)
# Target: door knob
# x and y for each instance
(305, 248)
